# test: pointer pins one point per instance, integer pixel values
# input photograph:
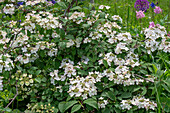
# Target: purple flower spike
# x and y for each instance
(141, 5)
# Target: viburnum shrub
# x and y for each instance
(65, 57)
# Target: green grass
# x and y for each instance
(125, 9)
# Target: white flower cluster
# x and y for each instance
(3, 39)
(43, 19)
(34, 2)
(103, 6)
(20, 40)
(69, 70)
(84, 60)
(72, 42)
(125, 37)
(130, 60)
(6, 63)
(26, 80)
(96, 75)
(122, 73)
(12, 23)
(109, 57)
(102, 103)
(9, 9)
(121, 46)
(54, 76)
(156, 39)
(30, 52)
(140, 102)
(1, 85)
(77, 17)
(117, 17)
(82, 87)
(95, 35)
(106, 29)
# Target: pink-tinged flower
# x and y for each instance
(157, 10)
(140, 14)
(152, 24)
(168, 34)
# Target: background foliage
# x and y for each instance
(67, 57)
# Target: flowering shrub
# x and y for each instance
(78, 60)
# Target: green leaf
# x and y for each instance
(136, 89)
(68, 98)
(144, 72)
(38, 72)
(7, 109)
(144, 91)
(38, 80)
(61, 106)
(111, 95)
(105, 63)
(166, 87)
(75, 108)
(91, 102)
(126, 95)
(76, 8)
(44, 79)
(62, 4)
(106, 110)
(155, 68)
(69, 104)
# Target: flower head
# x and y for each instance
(141, 5)
(53, 1)
(140, 14)
(152, 24)
(20, 3)
(157, 10)
(152, 5)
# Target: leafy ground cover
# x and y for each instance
(64, 56)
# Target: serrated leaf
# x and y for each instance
(69, 104)
(75, 108)
(91, 102)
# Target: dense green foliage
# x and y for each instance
(67, 57)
